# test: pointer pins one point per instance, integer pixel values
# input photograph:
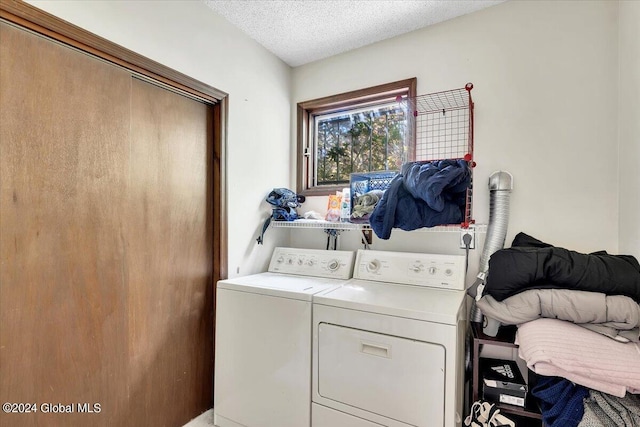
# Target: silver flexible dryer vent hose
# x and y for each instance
(500, 186)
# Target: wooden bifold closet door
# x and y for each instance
(105, 242)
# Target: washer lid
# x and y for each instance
(280, 285)
(412, 302)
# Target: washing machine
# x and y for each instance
(263, 338)
(388, 346)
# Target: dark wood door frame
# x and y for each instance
(34, 19)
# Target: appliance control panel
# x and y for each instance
(430, 270)
(312, 262)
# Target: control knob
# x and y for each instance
(373, 265)
(333, 265)
(417, 267)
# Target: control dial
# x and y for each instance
(373, 266)
(333, 265)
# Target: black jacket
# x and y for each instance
(530, 263)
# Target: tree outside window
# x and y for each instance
(360, 131)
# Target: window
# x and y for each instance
(361, 131)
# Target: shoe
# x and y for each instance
(496, 419)
(472, 418)
(478, 416)
(485, 414)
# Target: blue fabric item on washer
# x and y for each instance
(561, 401)
(399, 209)
(284, 202)
(437, 182)
(423, 195)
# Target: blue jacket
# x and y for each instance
(423, 195)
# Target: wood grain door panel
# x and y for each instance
(169, 253)
(106, 237)
(64, 154)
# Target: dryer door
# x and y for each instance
(393, 377)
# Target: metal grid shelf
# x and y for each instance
(441, 124)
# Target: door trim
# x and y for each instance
(37, 20)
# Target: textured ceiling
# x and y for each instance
(302, 31)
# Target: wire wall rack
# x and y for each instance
(347, 226)
(441, 124)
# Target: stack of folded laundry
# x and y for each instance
(578, 318)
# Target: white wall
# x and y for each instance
(189, 37)
(546, 110)
(546, 94)
(630, 127)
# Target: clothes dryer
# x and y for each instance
(263, 338)
(388, 346)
